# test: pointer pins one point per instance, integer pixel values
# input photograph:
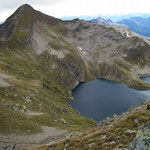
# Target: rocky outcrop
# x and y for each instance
(142, 139)
(8, 27)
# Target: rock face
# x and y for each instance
(142, 139)
(114, 54)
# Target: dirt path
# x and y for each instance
(49, 134)
(34, 113)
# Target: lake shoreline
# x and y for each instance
(111, 98)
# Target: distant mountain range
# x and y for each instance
(100, 20)
(139, 25)
(114, 18)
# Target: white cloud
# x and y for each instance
(60, 8)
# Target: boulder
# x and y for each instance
(91, 144)
(63, 120)
(103, 137)
(142, 139)
(130, 131)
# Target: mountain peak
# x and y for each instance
(21, 16)
(25, 6)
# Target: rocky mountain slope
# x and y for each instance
(43, 58)
(112, 54)
(38, 70)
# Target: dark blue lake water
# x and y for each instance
(102, 98)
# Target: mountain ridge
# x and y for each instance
(139, 25)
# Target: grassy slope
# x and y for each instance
(116, 134)
(117, 72)
(47, 89)
(37, 85)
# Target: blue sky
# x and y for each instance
(67, 8)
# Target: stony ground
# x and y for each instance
(49, 134)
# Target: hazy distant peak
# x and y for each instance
(109, 20)
(100, 20)
(137, 24)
